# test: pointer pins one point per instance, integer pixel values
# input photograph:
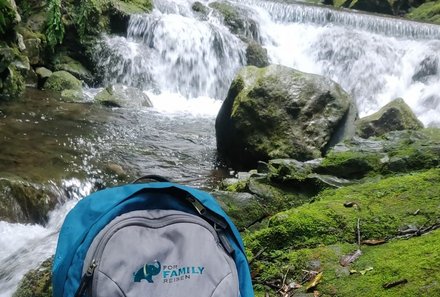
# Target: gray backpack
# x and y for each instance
(152, 240)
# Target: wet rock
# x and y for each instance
(256, 55)
(394, 116)
(62, 80)
(279, 112)
(237, 20)
(37, 282)
(427, 68)
(32, 79)
(25, 202)
(123, 96)
(72, 95)
(13, 66)
(200, 8)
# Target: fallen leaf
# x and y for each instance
(373, 241)
(350, 258)
(366, 270)
(314, 282)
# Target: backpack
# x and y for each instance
(156, 239)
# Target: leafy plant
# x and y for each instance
(55, 27)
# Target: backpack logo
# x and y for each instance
(147, 272)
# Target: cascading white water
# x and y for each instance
(175, 52)
(24, 247)
(377, 59)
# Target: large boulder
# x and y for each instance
(123, 96)
(394, 116)
(62, 80)
(279, 112)
(13, 66)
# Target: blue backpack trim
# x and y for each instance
(95, 211)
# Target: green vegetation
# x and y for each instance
(7, 16)
(428, 12)
(415, 260)
(54, 28)
(315, 236)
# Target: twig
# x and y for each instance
(359, 233)
(257, 255)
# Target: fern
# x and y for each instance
(55, 27)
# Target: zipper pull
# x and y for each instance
(85, 280)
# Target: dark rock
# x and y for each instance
(427, 68)
(33, 50)
(379, 6)
(43, 74)
(256, 55)
(394, 116)
(200, 8)
(278, 112)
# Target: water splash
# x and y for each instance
(24, 247)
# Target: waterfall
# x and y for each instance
(175, 53)
(171, 50)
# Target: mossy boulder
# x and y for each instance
(25, 202)
(62, 80)
(256, 55)
(427, 12)
(37, 282)
(66, 63)
(123, 96)
(279, 112)
(394, 116)
(9, 17)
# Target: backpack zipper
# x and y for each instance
(85, 280)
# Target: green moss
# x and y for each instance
(428, 12)
(13, 86)
(350, 164)
(37, 282)
(415, 260)
(240, 186)
(382, 207)
(62, 80)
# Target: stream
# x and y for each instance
(185, 63)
